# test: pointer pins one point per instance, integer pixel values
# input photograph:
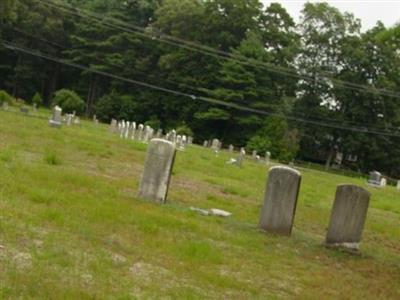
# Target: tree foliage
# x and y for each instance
(265, 61)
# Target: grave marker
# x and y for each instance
(56, 119)
(157, 170)
(280, 200)
(348, 217)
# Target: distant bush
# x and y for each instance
(275, 137)
(37, 99)
(184, 130)
(69, 101)
(5, 97)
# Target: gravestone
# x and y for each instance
(56, 119)
(133, 130)
(190, 140)
(280, 200)
(5, 106)
(24, 110)
(159, 134)
(205, 144)
(254, 155)
(231, 148)
(383, 182)
(398, 184)
(77, 121)
(69, 119)
(241, 157)
(113, 126)
(348, 217)
(140, 132)
(157, 170)
(267, 157)
(122, 129)
(215, 144)
(375, 178)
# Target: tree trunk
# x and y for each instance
(330, 157)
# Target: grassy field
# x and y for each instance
(72, 227)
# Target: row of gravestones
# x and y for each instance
(216, 146)
(142, 133)
(277, 214)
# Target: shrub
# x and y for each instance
(37, 99)
(5, 97)
(276, 137)
(69, 101)
(184, 130)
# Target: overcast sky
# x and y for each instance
(387, 11)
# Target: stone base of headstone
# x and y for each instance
(55, 124)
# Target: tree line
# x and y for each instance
(327, 92)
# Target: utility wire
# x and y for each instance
(35, 53)
(201, 90)
(209, 50)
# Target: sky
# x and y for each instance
(369, 12)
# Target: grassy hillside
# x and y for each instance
(71, 226)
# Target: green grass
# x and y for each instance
(72, 227)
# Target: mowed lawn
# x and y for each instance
(72, 227)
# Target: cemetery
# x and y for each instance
(121, 210)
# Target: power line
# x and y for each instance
(32, 52)
(193, 46)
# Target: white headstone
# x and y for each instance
(56, 119)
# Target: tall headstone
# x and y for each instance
(398, 184)
(190, 140)
(69, 119)
(133, 130)
(348, 217)
(159, 134)
(140, 133)
(205, 144)
(383, 182)
(241, 157)
(267, 157)
(254, 155)
(113, 126)
(157, 170)
(56, 119)
(122, 129)
(231, 148)
(280, 200)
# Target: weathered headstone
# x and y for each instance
(398, 184)
(241, 157)
(140, 133)
(5, 106)
(267, 157)
(24, 110)
(113, 126)
(280, 200)
(133, 130)
(190, 140)
(375, 178)
(254, 155)
(56, 119)
(69, 119)
(77, 121)
(205, 144)
(159, 134)
(231, 148)
(348, 217)
(157, 170)
(383, 182)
